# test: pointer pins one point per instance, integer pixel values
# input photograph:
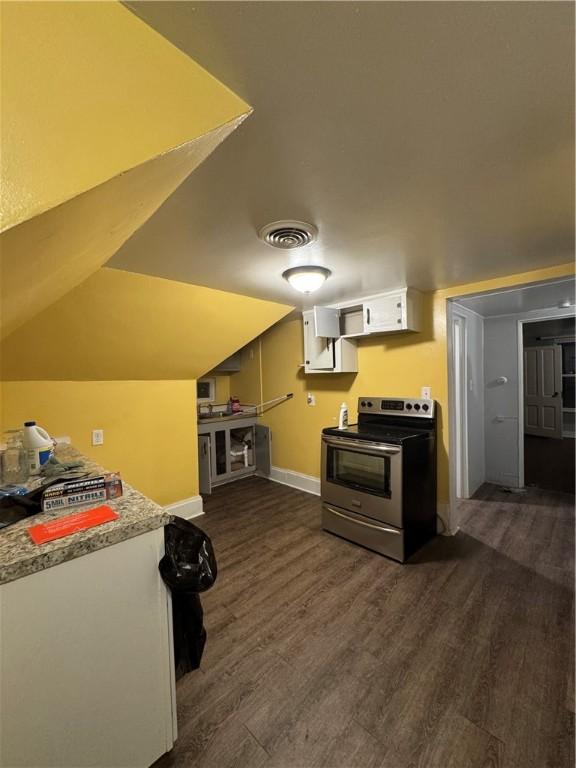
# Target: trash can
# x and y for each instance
(188, 568)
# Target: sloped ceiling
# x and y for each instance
(102, 120)
(432, 144)
(123, 326)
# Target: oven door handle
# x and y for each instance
(364, 446)
(361, 522)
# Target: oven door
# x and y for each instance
(363, 477)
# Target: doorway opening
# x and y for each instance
(488, 409)
(549, 363)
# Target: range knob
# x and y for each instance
(408, 406)
(425, 407)
(369, 404)
(363, 403)
(416, 406)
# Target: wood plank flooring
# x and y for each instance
(321, 653)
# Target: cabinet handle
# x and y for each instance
(367, 315)
(399, 305)
(399, 320)
(307, 362)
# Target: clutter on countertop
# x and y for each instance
(65, 526)
(87, 490)
(15, 467)
(13, 490)
(19, 556)
(38, 444)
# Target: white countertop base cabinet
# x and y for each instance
(87, 671)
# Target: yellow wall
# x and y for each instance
(65, 245)
(120, 325)
(397, 365)
(149, 427)
(89, 91)
(246, 383)
(102, 118)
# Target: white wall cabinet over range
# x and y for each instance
(330, 332)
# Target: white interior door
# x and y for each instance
(543, 391)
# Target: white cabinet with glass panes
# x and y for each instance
(230, 449)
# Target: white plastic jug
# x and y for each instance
(39, 446)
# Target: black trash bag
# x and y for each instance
(188, 567)
(189, 564)
(189, 632)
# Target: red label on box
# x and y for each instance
(64, 526)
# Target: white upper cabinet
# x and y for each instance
(389, 312)
(327, 322)
(384, 313)
(330, 333)
(318, 350)
(326, 355)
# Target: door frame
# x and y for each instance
(458, 422)
(556, 314)
(460, 402)
(531, 316)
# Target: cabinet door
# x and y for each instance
(205, 475)
(385, 313)
(327, 322)
(263, 443)
(318, 351)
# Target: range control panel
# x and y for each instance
(397, 406)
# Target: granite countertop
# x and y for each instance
(19, 556)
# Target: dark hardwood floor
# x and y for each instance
(321, 653)
(549, 463)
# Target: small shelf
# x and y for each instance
(569, 374)
(568, 434)
(568, 410)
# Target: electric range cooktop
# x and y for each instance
(377, 434)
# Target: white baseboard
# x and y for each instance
(186, 508)
(302, 482)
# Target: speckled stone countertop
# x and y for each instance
(19, 556)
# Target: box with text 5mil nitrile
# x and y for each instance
(87, 490)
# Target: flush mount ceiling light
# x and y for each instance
(288, 234)
(306, 279)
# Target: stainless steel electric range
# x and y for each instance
(379, 476)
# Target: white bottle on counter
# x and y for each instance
(38, 444)
(343, 417)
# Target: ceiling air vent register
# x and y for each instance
(288, 234)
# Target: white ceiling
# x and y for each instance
(552, 295)
(431, 143)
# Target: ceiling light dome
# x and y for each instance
(306, 279)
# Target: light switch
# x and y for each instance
(426, 393)
(97, 437)
(311, 399)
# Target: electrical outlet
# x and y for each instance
(97, 437)
(311, 399)
(426, 393)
